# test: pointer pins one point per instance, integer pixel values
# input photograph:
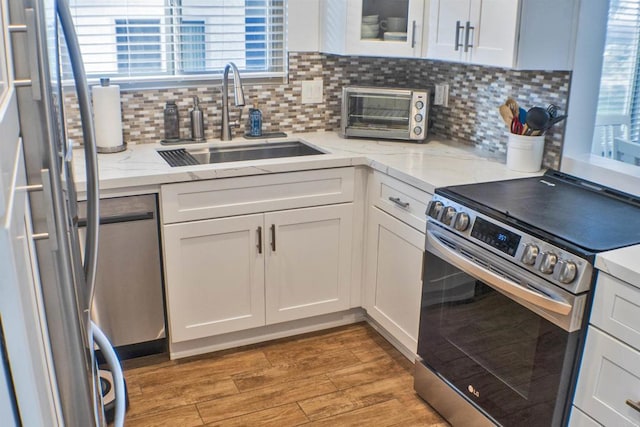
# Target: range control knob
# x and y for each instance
(448, 214)
(565, 271)
(530, 254)
(547, 262)
(461, 221)
(435, 209)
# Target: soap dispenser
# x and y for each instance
(197, 121)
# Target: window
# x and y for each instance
(139, 41)
(618, 112)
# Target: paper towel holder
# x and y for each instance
(104, 82)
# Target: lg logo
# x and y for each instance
(473, 391)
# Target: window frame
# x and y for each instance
(168, 80)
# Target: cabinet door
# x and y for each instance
(447, 20)
(494, 33)
(308, 264)
(609, 381)
(357, 27)
(393, 279)
(214, 276)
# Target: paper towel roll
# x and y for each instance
(107, 116)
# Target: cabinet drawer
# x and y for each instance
(616, 309)
(401, 200)
(237, 196)
(609, 376)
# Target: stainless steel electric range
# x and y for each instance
(507, 279)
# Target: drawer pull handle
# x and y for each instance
(273, 237)
(259, 240)
(399, 202)
(634, 404)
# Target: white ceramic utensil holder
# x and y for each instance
(524, 153)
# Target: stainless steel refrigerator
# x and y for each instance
(48, 372)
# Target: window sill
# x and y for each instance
(612, 173)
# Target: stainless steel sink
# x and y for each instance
(236, 153)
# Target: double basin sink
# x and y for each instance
(236, 153)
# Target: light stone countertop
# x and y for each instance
(437, 163)
(622, 263)
(426, 166)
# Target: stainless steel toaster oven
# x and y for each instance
(371, 112)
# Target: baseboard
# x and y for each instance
(264, 333)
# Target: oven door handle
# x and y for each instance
(494, 280)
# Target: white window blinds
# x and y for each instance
(180, 40)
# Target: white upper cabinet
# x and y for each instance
(525, 34)
(372, 27)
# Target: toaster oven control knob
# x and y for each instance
(548, 262)
(461, 221)
(419, 105)
(418, 118)
(447, 216)
(417, 130)
(566, 271)
(435, 209)
(530, 254)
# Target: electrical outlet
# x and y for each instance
(312, 92)
(441, 97)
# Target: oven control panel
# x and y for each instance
(559, 266)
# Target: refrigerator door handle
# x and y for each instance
(116, 370)
(90, 150)
(30, 21)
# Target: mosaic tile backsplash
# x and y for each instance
(471, 116)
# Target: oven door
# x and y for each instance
(503, 338)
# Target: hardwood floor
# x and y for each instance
(346, 376)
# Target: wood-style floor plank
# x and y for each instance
(184, 416)
(347, 376)
(285, 415)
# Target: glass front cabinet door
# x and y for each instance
(391, 28)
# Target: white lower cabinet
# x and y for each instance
(308, 262)
(214, 276)
(393, 276)
(608, 388)
(230, 274)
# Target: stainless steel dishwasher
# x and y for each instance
(128, 302)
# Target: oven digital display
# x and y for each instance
(495, 236)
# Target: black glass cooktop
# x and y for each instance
(588, 215)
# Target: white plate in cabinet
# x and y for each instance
(393, 276)
(401, 200)
(214, 276)
(609, 378)
(217, 198)
(308, 262)
(616, 309)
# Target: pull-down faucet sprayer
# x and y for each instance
(238, 94)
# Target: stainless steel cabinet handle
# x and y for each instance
(634, 404)
(413, 35)
(273, 237)
(467, 31)
(459, 27)
(399, 202)
(259, 240)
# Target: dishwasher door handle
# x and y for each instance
(119, 218)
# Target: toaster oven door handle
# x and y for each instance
(492, 279)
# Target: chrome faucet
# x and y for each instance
(238, 94)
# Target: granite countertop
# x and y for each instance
(426, 166)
